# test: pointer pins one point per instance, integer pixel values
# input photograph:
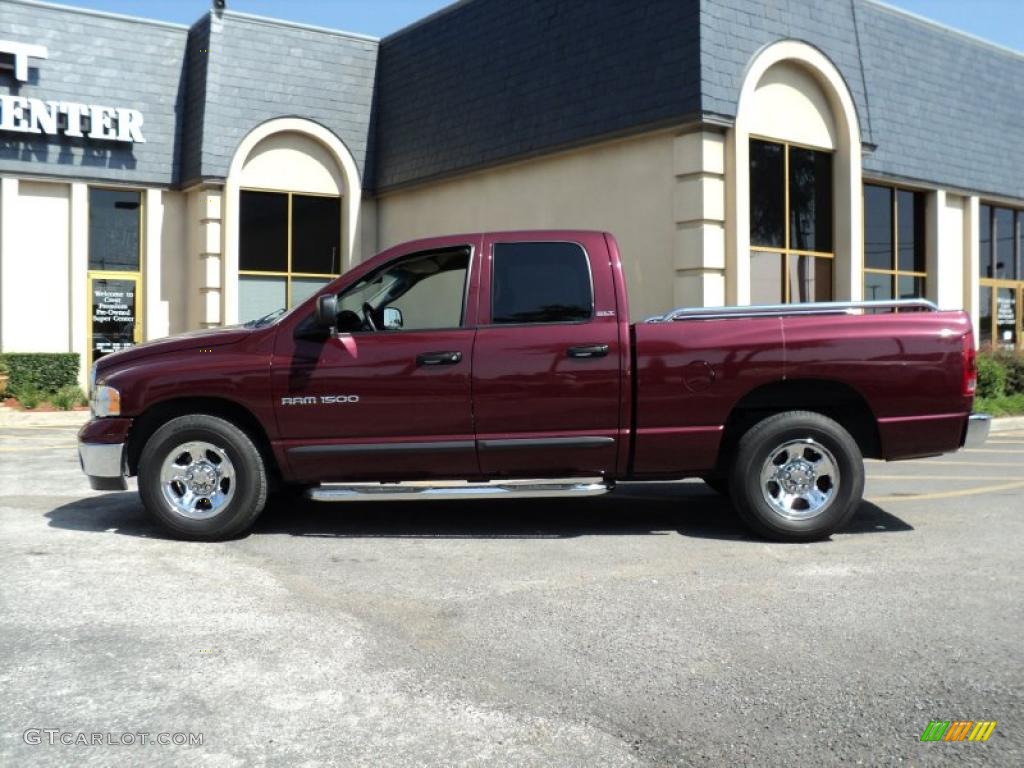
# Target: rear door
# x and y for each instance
(546, 361)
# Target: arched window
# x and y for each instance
(291, 202)
(795, 232)
(289, 241)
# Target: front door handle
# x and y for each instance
(439, 358)
(590, 350)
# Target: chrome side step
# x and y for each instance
(441, 491)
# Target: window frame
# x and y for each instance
(491, 279)
(289, 274)
(114, 274)
(895, 273)
(785, 251)
(1004, 283)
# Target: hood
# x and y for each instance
(210, 337)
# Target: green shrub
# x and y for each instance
(44, 372)
(67, 398)
(1008, 405)
(29, 397)
(1014, 374)
(4, 369)
(991, 376)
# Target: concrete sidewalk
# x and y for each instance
(1008, 424)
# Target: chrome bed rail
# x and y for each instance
(780, 310)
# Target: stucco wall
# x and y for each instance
(623, 187)
(36, 262)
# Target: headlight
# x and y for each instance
(92, 380)
(105, 401)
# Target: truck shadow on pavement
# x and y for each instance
(686, 509)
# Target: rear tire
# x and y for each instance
(798, 476)
(202, 478)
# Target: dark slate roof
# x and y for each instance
(259, 69)
(733, 31)
(487, 81)
(196, 71)
(98, 58)
(945, 107)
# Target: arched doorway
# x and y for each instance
(291, 206)
(795, 199)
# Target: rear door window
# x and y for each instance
(541, 283)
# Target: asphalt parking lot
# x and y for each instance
(642, 628)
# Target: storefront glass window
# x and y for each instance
(1001, 294)
(1005, 266)
(791, 217)
(289, 247)
(767, 193)
(985, 241)
(894, 243)
(810, 200)
(114, 230)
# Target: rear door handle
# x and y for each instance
(590, 350)
(439, 358)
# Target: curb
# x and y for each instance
(1007, 424)
(12, 418)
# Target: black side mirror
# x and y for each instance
(349, 322)
(326, 314)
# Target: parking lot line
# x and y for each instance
(947, 494)
(936, 477)
(992, 450)
(38, 448)
(934, 462)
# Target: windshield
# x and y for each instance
(267, 319)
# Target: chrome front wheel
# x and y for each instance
(197, 480)
(800, 479)
(202, 478)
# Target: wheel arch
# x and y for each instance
(160, 413)
(834, 399)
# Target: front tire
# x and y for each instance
(798, 476)
(202, 478)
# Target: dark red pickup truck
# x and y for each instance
(504, 364)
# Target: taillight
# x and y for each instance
(970, 359)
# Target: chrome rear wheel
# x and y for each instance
(800, 478)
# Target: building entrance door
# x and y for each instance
(1001, 324)
(115, 313)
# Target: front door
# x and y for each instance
(388, 397)
(547, 362)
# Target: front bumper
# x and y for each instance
(978, 426)
(104, 465)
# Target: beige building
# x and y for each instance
(793, 160)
